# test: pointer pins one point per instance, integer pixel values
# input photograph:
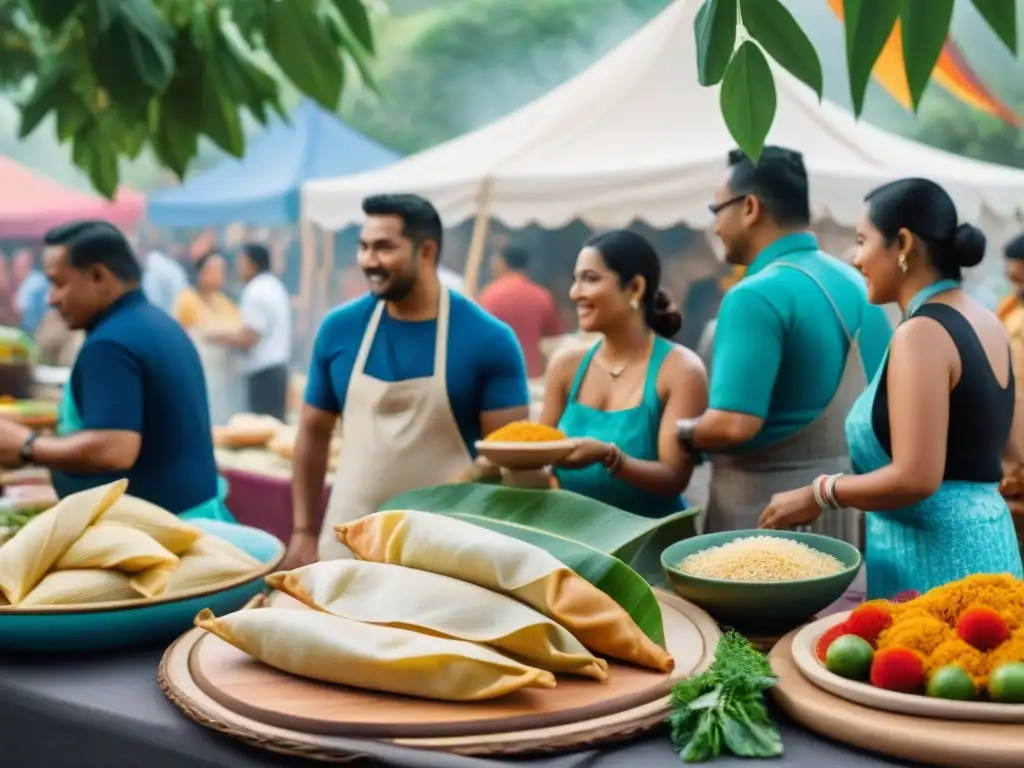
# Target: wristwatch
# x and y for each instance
(25, 454)
(685, 430)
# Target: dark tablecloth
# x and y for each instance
(107, 711)
(264, 502)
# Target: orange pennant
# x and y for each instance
(952, 73)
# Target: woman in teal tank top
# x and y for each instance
(622, 397)
(928, 435)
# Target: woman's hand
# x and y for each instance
(1012, 489)
(586, 453)
(480, 470)
(790, 509)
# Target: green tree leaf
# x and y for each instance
(52, 88)
(223, 88)
(249, 17)
(868, 25)
(175, 140)
(923, 29)
(131, 50)
(357, 20)
(715, 30)
(72, 112)
(343, 37)
(748, 99)
(243, 77)
(53, 13)
(1001, 16)
(778, 33)
(97, 156)
(218, 116)
(315, 66)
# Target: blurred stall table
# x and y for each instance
(260, 490)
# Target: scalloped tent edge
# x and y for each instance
(634, 137)
(31, 203)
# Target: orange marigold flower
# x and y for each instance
(869, 621)
(898, 669)
(821, 649)
(982, 627)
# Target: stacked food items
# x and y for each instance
(441, 609)
(250, 430)
(101, 545)
(963, 641)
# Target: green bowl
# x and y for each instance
(761, 606)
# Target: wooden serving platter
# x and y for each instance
(927, 740)
(220, 687)
(891, 701)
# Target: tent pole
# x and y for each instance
(326, 273)
(307, 248)
(478, 242)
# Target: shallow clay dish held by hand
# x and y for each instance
(525, 455)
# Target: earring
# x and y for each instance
(634, 304)
(903, 263)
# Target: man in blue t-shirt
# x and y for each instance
(135, 406)
(417, 373)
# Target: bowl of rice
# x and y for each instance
(768, 581)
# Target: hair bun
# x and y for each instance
(968, 245)
(665, 320)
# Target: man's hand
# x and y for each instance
(302, 550)
(12, 437)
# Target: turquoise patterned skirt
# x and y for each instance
(962, 529)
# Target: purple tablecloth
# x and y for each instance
(264, 502)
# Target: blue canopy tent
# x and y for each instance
(262, 188)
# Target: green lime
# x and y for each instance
(951, 682)
(850, 656)
(1006, 683)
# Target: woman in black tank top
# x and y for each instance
(927, 436)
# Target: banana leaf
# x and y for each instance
(635, 540)
(609, 574)
(616, 551)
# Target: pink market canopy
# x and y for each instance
(30, 204)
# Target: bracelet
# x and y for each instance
(818, 487)
(828, 491)
(614, 461)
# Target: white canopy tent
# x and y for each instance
(635, 137)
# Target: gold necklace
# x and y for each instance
(617, 370)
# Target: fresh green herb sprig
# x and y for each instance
(723, 708)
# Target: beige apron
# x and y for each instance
(395, 437)
(742, 484)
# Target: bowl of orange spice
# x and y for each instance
(525, 445)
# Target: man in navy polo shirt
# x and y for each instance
(135, 406)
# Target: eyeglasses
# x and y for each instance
(717, 208)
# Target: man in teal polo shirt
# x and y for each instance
(795, 343)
